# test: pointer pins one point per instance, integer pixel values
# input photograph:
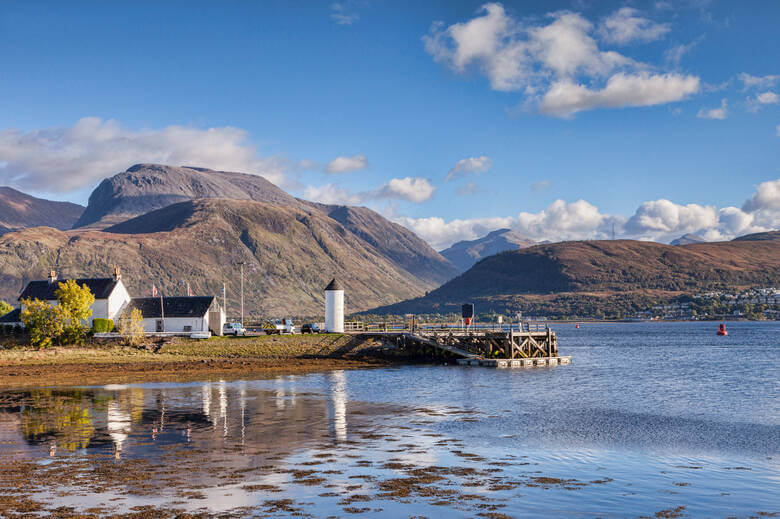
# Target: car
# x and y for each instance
(282, 326)
(234, 329)
(311, 328)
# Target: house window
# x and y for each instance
(188, 328)
(160, 325)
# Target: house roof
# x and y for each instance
(14, 316)
(101, 288)
(334, 284)
(174, 306)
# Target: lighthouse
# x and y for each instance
(334, 307)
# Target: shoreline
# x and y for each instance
(185, 360)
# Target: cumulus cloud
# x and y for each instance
(658, 220)
(626, 25)
(68, 158)
(750, 81)
(332, 194)
(720, 112)
(469, 166)
(347, 164)
(754, 104)
(412, 189)
(566, 98)
(559, 62)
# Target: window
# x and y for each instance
(160, 325)
(188, 328)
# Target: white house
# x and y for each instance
(111, 296)
(180, 314)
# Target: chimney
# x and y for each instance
(52, 276)
(117, 275)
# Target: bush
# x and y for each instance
(102, 325)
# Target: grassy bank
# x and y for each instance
(185, 359)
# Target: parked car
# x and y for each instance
(234, 329)
(285, 325)
(311, 328)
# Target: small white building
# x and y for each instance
(111, 296)
(181, 314)
(334, 307)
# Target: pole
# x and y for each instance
(162, 311)
(242, 293)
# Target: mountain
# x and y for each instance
(465, 253)
(290, 253)
(146, 187)
(687, 239)
(592, 278)
(19, 211)
(761, 236)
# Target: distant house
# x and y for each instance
(180, 314)
(111, 296)
(12, 318)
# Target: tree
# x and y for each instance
(5, 308)
(131, 327)
(44, 322)
(76, 304)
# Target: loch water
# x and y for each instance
(649, 420)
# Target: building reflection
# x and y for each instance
(133, 421)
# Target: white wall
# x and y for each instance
(177, 324)
(116, 302)
(334, 311)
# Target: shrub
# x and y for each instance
(131, 326)
(45, 322)
(102, 325)
(75, 303)
(5, 308)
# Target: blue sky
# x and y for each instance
(564, 117)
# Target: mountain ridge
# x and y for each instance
(19, 211)
(465, 253)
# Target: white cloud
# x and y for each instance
(343, 13)
(347, 164)
(626, 25)
(413, 189)
(557, 60)
(675, 54)
(657, 220)
(468, 166)
(715, 113)
(541, 185)
(69, 158)
(749, 81)
(566, 98)
(754, 104)
(332, 194)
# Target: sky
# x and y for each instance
(561, 120)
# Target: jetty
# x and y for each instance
(521, 345)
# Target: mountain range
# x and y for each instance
(164, 225)
(19, 211)
(612, 278)
(464, 254)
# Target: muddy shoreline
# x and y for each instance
(189, 360)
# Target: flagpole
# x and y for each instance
(162, 311)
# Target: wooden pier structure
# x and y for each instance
(526, 345)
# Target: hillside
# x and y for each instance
(19, 211)
(464, 254)
(592, 277)
(146, 187)
(687, 239)
(761, 236)
(290, 254)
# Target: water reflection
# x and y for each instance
(135, 421)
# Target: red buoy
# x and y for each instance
(722, 329)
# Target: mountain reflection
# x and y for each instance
(140, 422)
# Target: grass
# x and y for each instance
(179, 349)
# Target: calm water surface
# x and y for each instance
(651, 418)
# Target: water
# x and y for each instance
(651, 419)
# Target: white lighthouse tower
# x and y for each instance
(334, 307)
